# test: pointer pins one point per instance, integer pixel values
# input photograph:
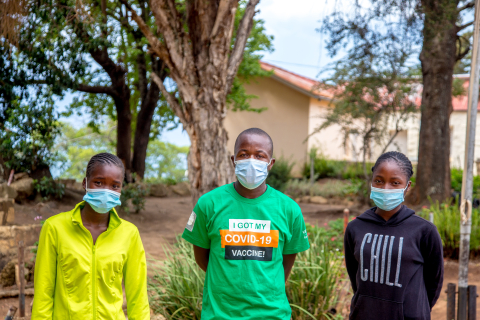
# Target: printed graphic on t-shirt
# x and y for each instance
(191, 221)
(248, 239)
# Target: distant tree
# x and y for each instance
(373, 92)
(202, 44)
(436, 25)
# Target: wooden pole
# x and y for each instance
(21, 275)
(467, 181)
(346, 214)
(451, 288)
(11, 313)
(472, 302)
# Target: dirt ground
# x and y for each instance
(164, 218)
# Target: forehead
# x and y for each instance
(256, 141)
(389, 168)
(106, 171)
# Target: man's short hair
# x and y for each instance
(258, 132)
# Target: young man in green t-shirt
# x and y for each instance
(246, 236)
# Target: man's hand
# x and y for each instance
(288, 260)
(201, 257)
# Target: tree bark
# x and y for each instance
(438, 59)
(150, 99)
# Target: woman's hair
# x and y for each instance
(104, 159)
(400, 159)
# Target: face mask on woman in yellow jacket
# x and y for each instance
(85, 254)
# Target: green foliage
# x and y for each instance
(165, 163)
(177, 286)
(134, 193)
(279, 175)
(447, 219)
(297, 188)
(456, 181)
(49, 188)
(327, 168)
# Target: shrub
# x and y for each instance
(280, 174)
(136, 193)
(447, 219)
(329, 189)
(48, 188)
(456, 182)
(327, 168)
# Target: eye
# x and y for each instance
(97, 183)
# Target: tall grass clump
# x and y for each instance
(447, 218)
(177, 286)
(312, 285)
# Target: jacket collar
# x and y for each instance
(114, 222)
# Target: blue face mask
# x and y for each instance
(102, 200)
(387, 199)
(251, 173)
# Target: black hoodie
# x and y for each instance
(395, 266)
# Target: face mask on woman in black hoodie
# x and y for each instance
(394, 258)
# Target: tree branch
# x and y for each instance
(222, 9)
(96, 89)
(466, 25)
(171, 99)
(467, 6)
(242, 36)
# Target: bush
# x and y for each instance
(177, 286)
(136, 193)
(327, 168)
(456, 182)
(329, 189)
(447, 219)
(280, 174)
(48, 188)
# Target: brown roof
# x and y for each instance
(298, 82)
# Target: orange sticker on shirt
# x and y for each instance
(247, 238)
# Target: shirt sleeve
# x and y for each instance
(45, 274)
(299, 240)
(135, 279)
(196, 230)
(350, 260)
(432, 251)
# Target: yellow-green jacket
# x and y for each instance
(76, 280)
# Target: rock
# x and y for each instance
(305, 199)
(297, 200)
(7, 276)
(158, 190)
(19, 176)
(318, 200)
(7, 191)
(24, 187)
(182, 189)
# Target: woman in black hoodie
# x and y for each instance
(394, 258)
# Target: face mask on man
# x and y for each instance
(387, 199)
(251, 173)
(102, 200)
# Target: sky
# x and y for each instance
(298, 47)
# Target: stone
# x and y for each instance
(158, 190)
(305, 199)
(24, 187)
(318, 200)
(7, 191)
(182, 189)
(7, 276)
(19, 176)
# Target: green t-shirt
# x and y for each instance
(247, 239)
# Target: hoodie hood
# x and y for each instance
(398, 218)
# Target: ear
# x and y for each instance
(233, 160)
(409, 184)
(272, 161)
(84, 184)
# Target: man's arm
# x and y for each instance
(202, 255)
(288, 260)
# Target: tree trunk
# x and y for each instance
(438, 59)
(124, 132)
(209, 164)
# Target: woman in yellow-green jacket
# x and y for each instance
(84, 254)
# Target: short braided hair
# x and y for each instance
(400, 159)
(258, 132)
(104, 158)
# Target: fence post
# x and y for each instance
(21, 275)
(451, 288)
(430, 216)
(472, 303)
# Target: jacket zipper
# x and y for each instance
(94, 271)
